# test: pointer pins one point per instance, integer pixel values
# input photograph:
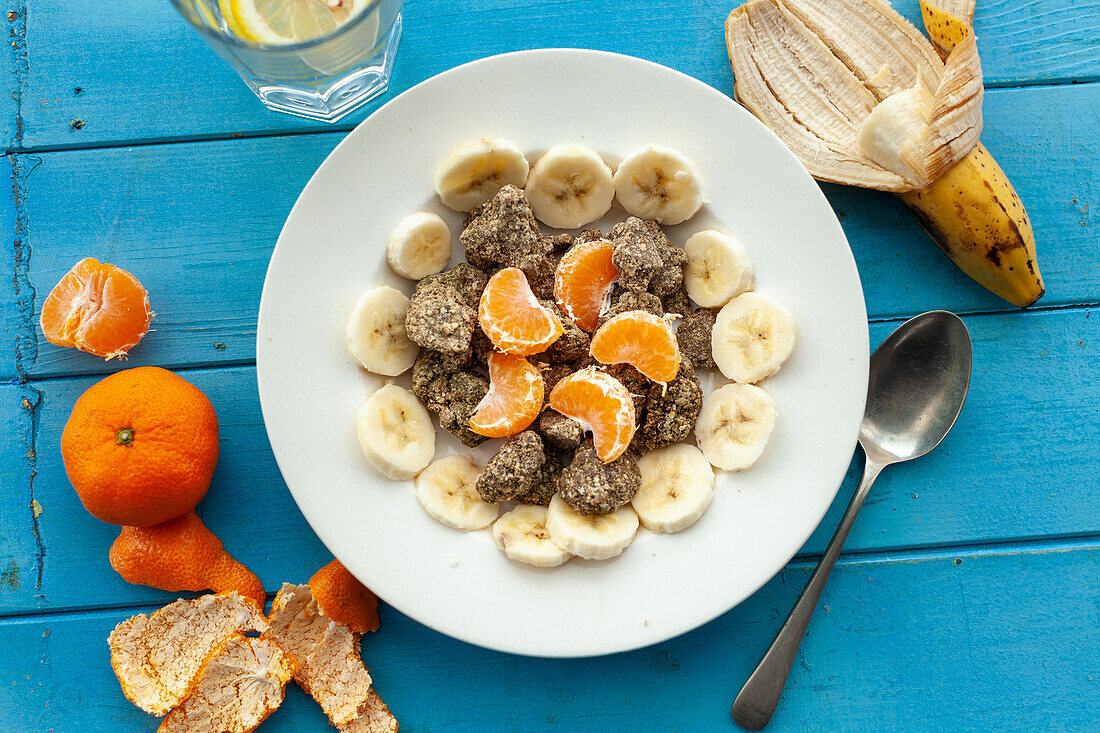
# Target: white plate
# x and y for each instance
(332, 248)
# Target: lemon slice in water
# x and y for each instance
(288, 21)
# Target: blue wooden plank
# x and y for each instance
(196, 223)
(996, 639)
(13, 75)
(248, 505)
(21, 548)
(1000, 475)
(140, 57)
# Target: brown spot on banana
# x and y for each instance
(974, 215)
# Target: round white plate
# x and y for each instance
(332, 248)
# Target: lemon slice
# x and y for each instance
(287, 21)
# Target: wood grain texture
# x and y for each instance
(141, 73)
(1001, 474)
(994, 639)
(196, 226)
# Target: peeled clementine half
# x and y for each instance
(140, 447)
(602, 405)
(514, 399)
(641, 339)
(97, 308)
(181, 554)
(345, 600)
(582, 280)
(512, 317)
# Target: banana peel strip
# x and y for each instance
(814, 71)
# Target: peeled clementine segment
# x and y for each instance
(582, 280)
(602, 405)
(181, 554)
(514, 398)
(641, 339)
(513, 318)
(345, 600)
(97, 308)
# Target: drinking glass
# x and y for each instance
(322, 78)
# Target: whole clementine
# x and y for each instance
(140, 447)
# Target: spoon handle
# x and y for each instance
(756, 702)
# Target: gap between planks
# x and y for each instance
(955, 554)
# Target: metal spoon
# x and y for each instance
(918, 382)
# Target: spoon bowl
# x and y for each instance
(916, 387)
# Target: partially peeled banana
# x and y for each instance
(863, 99)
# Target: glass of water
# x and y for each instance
(312, 58)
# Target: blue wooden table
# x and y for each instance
(968, 597)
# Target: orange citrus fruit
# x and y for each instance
(181, 554)
(97, 308)
(514, 399)
(582, 280)
(641, 339)
(140, 447)
(345, 600)
(602, 405)
(513, 318)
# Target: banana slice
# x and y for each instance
(734, 425)
(522, 535)
(659, 183)
(591, 536)
(472, 173)
(396, 432)
(570, 186)
(376, 332)
(718, 268)
(419, 246)
(446, 491)
(677, 486)
(752, 337)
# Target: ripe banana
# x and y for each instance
(395, 432)
(446, 491)
(570, 186)
(753, 336)
(659, 183)
(591, 536)
(734, 425)
(522, 535)
(473, 172)
(376, 333)
(419, 246)
(677, 486)
(718, 268)
(975, 216)
(882, 107)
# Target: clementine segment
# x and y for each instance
(140, 447)
(602, 405)
(181, 554)
(514, 399)
(582, 280)
(97, 308)
(641, 339)
(513, 318)
(345, 600)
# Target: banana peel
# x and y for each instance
(863, 99)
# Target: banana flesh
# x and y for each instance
(863, 99)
